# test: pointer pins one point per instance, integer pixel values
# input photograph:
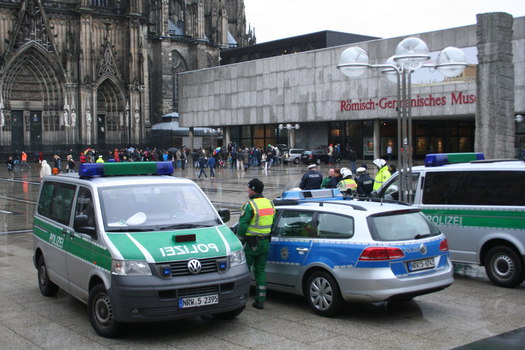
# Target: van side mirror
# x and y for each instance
(81, 225)
(224, 214)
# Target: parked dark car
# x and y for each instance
(316, 156)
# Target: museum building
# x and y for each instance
(303, 100)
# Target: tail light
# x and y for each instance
(310, 156)
(381, 253)
(443, 246)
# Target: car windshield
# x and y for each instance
(148, 207)
(401, 226)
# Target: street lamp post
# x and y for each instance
(410, 55)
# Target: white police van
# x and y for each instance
(136, 248)
(332, 250)
(480, 206)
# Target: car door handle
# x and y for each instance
(301, 250)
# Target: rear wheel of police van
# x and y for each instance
(101, 312)
(504, 267)
(47, 288)
(323, 294)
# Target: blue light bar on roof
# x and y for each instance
(436, 159)
(125, 169)
(327, 193)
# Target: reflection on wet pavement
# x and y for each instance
(470, 310)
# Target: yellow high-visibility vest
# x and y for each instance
(347, 184)
(262, 220)
(382, 175)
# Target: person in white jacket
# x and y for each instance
(45, 170)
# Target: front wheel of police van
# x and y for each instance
(504, 267)
(101, 312)
(323, 294)
(47, 288)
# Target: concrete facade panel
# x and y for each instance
(307, 87)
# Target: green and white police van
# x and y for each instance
(137, 248)
(479, 205)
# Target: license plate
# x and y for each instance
(423, 264)
(198, 301)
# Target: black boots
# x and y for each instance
(258, 305)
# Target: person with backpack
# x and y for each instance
(211, 164)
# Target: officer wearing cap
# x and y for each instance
(255, 226)
(312, 179)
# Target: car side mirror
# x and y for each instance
(374, 194)
(224, 214)
(81, 225)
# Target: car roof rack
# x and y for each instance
(383, 200)
(321, 203)
(495, 160)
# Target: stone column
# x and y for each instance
(495, 129)
(291, 136)
(226, 136)
(192, 138)
(377, 138)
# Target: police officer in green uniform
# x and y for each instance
(255, 225)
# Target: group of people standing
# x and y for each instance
(342, 178)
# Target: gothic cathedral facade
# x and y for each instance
(76, 73)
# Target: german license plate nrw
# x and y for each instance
(423, 264)
(198, 301)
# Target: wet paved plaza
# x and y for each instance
(470, 310)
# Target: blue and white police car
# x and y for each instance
(333, 250)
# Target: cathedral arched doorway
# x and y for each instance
(111, 118)
(32, 93)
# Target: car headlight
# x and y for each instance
(130, 268)
(237, 257)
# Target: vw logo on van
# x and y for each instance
(194, 266)
(423, 249)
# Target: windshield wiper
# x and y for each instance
(419, 236)
(182, 226)
(130, 229)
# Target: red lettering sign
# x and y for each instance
(456, 98)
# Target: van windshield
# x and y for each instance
(155, 207)
(401, 225)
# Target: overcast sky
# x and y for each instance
(277, 19)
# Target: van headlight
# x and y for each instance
(130, 268)
(237, 257)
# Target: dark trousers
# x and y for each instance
(256, 260)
